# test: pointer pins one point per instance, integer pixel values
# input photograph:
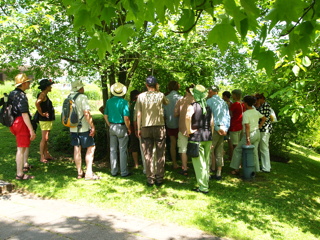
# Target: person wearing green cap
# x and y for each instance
(199, 124)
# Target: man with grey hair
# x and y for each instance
(82, 135)
(221, 116)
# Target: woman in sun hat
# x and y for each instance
(22, 127)
(45, 116)
(199, 124)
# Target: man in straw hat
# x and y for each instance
(22, 127)
(221, 115)
(116, 114)
(199, 124)
(82, 136)
(151, 129)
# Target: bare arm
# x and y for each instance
(88, 117)
(127, 122)
(263, 119)
(247, 131)
(107, 120)
(27, 121)
(41, 98)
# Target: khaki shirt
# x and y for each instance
(149, 108)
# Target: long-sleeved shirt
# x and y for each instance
(220, 113)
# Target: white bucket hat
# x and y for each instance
(118, 89)
(76, 85)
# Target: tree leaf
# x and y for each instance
(266, 61)
(296, 70)
(187, 18)
(122, 34)
(250, 7)
(222, 34)
(306, 61)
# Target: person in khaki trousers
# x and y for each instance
(151, 129)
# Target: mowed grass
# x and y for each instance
(283, 204)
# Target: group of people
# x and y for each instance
(200, 116)
(24, 129)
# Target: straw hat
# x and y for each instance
(118, 89)
(21, 78)
(76, 85)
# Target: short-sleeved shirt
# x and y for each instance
(82, 104)
(181, 110)
(251, 117)
(171, 120)
(237, 110)
(265, 109)
(116, 108)
(19, 102)
(220, 112)
(149, 105)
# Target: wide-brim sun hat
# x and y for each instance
(118, 89)
(45, 82)
(76, 85)
(21, 78)
(199, 90)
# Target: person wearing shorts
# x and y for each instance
(180, 111)
(237, 109)
(172, 122)
(22, 127)
(45, 116)
(82, 135)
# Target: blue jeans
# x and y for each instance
(118, 137)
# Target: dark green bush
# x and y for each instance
(60, 142)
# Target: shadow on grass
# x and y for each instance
(288, 195)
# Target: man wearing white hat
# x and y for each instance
(116, 115)
(22, 127)
(82, 136)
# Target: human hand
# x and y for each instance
(46, 114)
(32, 135)
(222, 132)
(92, 132)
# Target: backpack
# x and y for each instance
(69, 113)
(6, 116)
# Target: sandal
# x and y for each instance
(44, 161)
(81, 175)
(235, 172)
(183, 172)
(24, 177)
(93, 177)
(26, 169)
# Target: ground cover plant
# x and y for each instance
(284, 204)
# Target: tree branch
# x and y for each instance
(193, 25)
(306, 10)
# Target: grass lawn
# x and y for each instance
(283, 204)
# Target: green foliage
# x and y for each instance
(60, 141)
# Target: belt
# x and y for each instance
(118, 123)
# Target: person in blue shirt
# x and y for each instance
(116, 115)
(221, 116)
(172, 122)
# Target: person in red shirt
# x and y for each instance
(236, 110)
